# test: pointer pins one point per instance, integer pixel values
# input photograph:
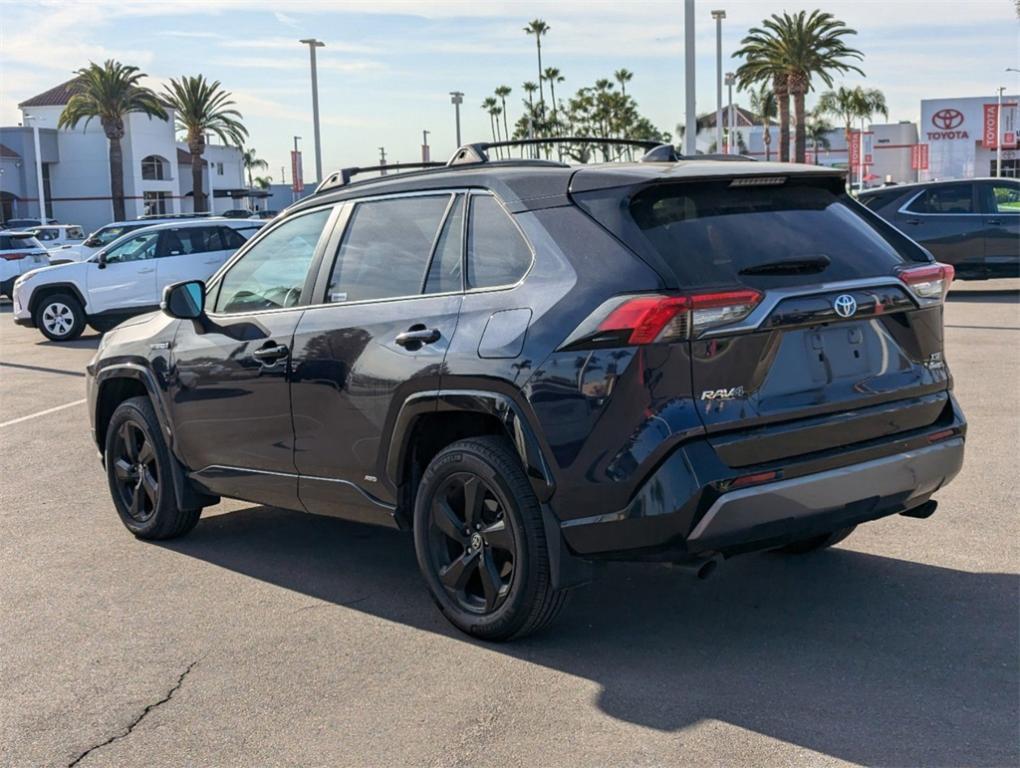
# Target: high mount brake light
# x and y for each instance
(930, 282)
(648, 319)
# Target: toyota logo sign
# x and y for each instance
(845, 305)
(947, 119)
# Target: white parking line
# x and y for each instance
(41, 413)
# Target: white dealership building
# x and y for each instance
(76, 167)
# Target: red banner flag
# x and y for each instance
(990, 126)
(919, 157)
(296, 172)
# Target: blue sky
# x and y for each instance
(389, 64)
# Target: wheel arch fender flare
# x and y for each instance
(41, 292)
(496, 404)
(187, 495)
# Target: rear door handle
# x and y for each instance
(994, 222)
(913, 221)
(146, 271)
(418, 335)
(270, 353)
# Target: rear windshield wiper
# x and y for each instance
(789, 266)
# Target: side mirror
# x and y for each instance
(185, 301)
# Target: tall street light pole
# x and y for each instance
(718, 16)
(690, 108)
(998, 135)
(312, 44)
(425, 155)
(730, 123)
(457, 98)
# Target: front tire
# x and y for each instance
(139, 472)
(480, 542)
(60, 317)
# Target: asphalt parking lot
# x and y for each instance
(274, 638)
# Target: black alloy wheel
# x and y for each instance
(136, 472)
(471, 543)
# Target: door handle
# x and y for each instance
(146, 271)
(270, 353)
(994, 222)
(418, 335)
(913, 221)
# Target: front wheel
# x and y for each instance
(480, 542)
(60, 317)
(139, 472)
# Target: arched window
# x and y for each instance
(155, 168)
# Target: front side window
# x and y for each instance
(107, 235)
(137, 248)
(954, 198)
(187, 240)
(1000, 197)
(272, 274)
(386, 248)
(497, 254)
(47, 234)
(74, 233)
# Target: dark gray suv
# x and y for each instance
(973, 224)
(535, 366)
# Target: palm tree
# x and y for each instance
(537, 27)
(763, 103)
(818, 130)
(529, 88)
(501, 93)
(203, 107)
(110, 92)
(852, 104)
(251, 163)
(263, 182)
(489, 105)
(552, 76)
(623, 76)
(798, 46)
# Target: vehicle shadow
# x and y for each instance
(868, 659)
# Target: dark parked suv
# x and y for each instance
(535, 367)
(972, 224)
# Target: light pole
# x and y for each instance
(296, 175)
(425, 146)
(382, 160)
(457, 98)
(38, 167)
(730, 80)
(718, 16)
(312, 44)
(998, 135)
(690, 109)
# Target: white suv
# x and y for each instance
(126, 277)
(20, 252)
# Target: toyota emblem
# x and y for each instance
(947, 119)
(845, 305)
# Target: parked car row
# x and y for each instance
(122, 273)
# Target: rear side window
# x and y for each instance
(188, 240)
(953, 198)
(706, 233)
(445, 270)
(9, 243)
(497, 254)
(386, 247)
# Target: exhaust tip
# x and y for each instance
(707, 569)
(922, 511)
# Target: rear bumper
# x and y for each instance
(827, 500)
(688, 507)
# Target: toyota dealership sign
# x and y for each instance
(960, 135)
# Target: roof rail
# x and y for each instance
(477, 152)
(343, 177)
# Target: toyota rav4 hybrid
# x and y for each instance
(535, 367)
(126, 277)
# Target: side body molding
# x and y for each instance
(497, 404)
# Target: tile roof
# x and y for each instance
(54, 97)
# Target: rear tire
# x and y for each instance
(480, 541)
(817, 542)
(60, 317)
(140, 474)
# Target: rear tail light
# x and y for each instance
(15, 256)
(633, 320)
(930, 282)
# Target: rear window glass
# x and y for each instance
(955, 198)
(11, 243)
(707, 233)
